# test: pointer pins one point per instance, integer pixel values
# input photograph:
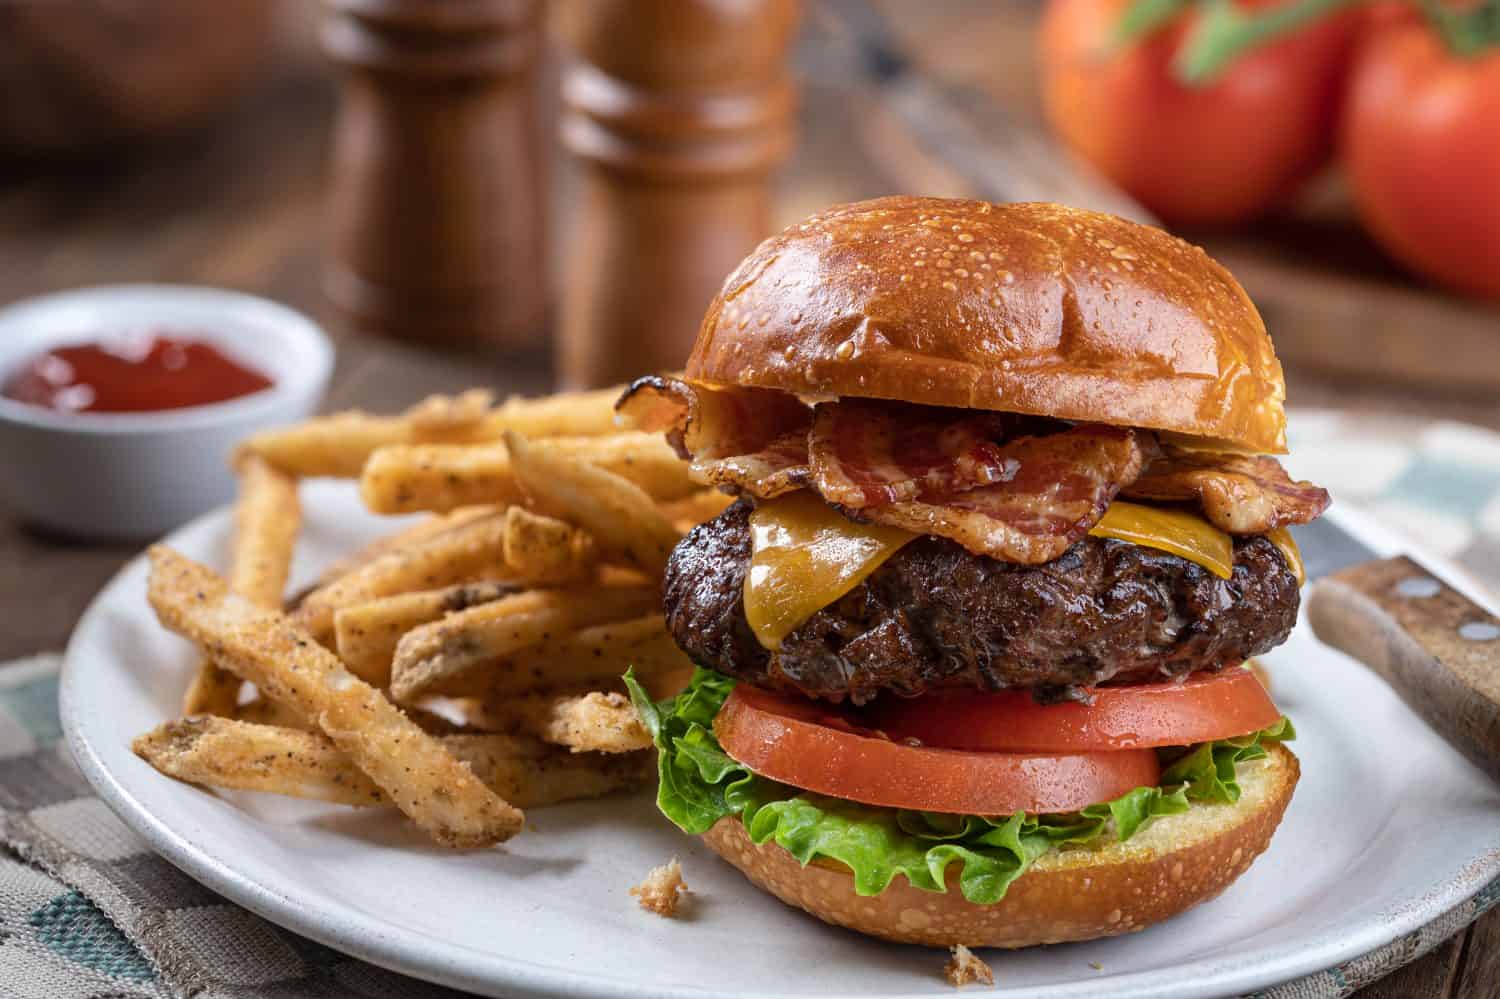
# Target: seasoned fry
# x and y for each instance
(340, 444)
(243, 756)
(366, 634)
(218, 752)
(438, 477)
(566, 414)
(263, 646)
(457, 555)
(619, 514)
(595, 722)
(704, 505)
(527, 771)
(433, 658)
(335, 445)
(593, 657)
(418, 533)
(267, 517)
(538, 547)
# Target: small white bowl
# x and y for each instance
(138, 475)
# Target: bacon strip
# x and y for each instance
(1241, 494)
(1058, 487)
(866, 453)
(751, 439)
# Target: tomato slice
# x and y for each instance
(1138, 716)
(805, 745)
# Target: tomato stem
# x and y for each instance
(1467, 32)
(1143, 17)
(1224, 33)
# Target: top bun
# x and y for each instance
(1025, 308)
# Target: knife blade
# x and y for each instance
(1437, 648)
(966, 128)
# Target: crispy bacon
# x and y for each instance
(1241, 494)
(751, 439)
(1058, 487)
(866, 453)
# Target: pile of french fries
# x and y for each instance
(461, 669)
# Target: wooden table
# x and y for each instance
(240, 207)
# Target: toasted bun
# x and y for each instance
(1074, 894)
(1025, 308)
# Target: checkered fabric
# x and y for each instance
(88, 912)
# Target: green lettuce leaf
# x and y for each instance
(700, 784)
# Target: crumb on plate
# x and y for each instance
(662, 890)
(963, 968)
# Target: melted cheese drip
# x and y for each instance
(1176, 531)
(804, 556)
(1287, 545)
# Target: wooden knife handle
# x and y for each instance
(1438, 649)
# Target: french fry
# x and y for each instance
(340, 444)
(566, 414)
(418, 533)
(236, 755)
(622, 518)
(538, 547)
(594, 657)
(405, 479)
(434, 657)
(593, 722)
(263, 646)
(366, 634)
(267, 517)
(457, 555)
(702, 506)
(244, 756)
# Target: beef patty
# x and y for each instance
(935, 616)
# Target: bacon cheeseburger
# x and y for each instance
(970, 644)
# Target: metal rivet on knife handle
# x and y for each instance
(1433, 645)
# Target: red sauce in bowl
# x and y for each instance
(132, 374)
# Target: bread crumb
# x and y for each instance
(662, 890)
(963, 968)
(1096, 966)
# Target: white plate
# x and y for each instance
(1388, 829)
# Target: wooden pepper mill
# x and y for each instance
(678, 110)
(438, 205)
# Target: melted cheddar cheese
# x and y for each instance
(1287, 545)
(1176, 531)
(804, 556)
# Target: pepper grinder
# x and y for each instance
(437, 208)
(677, 111)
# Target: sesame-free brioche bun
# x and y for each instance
(1075, 893)
(1026, 308)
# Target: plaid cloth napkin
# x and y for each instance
(88, 912)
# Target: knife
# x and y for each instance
(1439, 650)
(966, 128)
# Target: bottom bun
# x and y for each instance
(1077, 893)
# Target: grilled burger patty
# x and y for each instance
(935, 616)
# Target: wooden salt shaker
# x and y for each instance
(438, 205)
(677, 110)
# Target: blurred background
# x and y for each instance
(167, 140)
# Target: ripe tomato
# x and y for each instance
(1139, 716)
(800, 743)
(1214, 154)
(1421, 140)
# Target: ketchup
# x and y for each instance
(132, 374)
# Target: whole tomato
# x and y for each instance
(1215, 154)
(1421, 142)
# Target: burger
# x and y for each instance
(971, 642)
